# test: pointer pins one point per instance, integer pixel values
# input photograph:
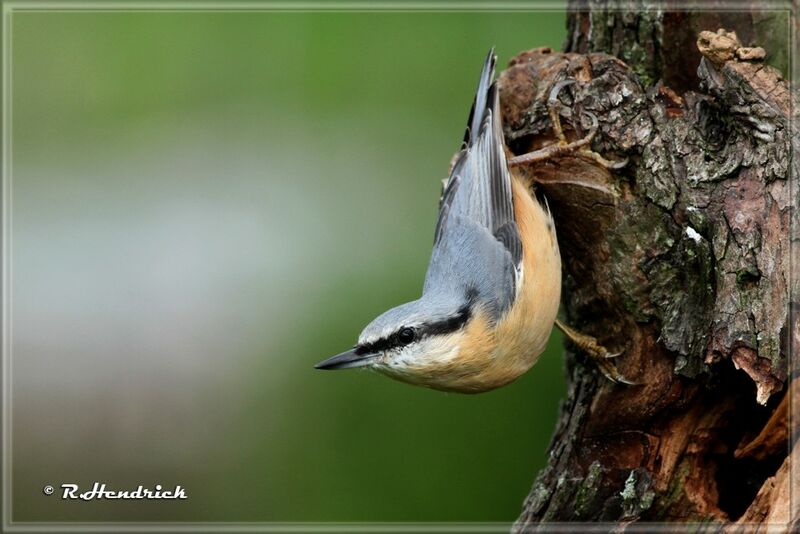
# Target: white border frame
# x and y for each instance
(9, 7)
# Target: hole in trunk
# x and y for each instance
(740, 479)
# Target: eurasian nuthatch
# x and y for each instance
(493, 286)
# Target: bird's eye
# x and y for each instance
(406, 335)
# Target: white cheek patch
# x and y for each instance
(429, 351)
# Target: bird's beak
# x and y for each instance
(347, 360)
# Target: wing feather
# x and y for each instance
(479, 186)
(477, 200)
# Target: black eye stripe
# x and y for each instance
(445, 326)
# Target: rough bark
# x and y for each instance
(681, 259)
(657, 39)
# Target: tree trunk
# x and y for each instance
(680, 259)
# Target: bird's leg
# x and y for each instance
(579, 148)
(554, 109)
(596, 352)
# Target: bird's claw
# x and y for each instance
(597, 352)
(552, 98)
(609, 370)
(579, 147)
(554, 109)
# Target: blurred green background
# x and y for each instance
(205, 204)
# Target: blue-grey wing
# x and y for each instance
(478, 195)
(468, 264)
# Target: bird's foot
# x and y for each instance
(580, 148)
(598, 353)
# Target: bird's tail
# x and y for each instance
(482, 99)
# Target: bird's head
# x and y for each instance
(414, 342)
